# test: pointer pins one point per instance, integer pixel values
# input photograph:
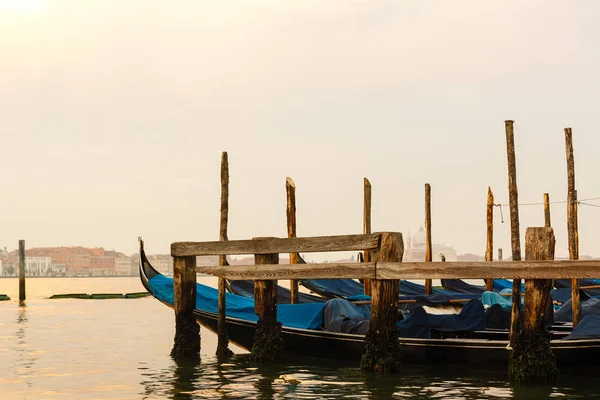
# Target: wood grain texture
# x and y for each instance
(572, 221)
(22, 293)
(428, 250)
(223, 340)
(265, 291)
(290, 189)
(539, 245)
(489, 247)
(557, 269)
(298, 271)
(515, 238)
(276, 245)
(367, 226)
(187, 339)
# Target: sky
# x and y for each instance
(114, 114)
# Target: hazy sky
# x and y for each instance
(114, 114)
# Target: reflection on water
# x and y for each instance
(119, 349)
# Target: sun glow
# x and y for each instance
(21, 6)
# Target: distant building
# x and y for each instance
(78, 265)
(123, 266)
(2, 271)
(38, 266)
(162, 263)
(59, 269)
(102, 266)
(415, 249)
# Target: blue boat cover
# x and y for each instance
(304, 316)
(331, 288)
(460, 286)
(588, 328)
(470, 318)
(501, 284)
(491, 298)
(566, 283)
(246, 289)
(588, 307)
(340, 315)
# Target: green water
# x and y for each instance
(119, 349)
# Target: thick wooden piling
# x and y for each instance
(267, 344)
(532, 360)
(572, 222)
(22, 295)
(382, 349)
(547, 222)
(489, 248)
(514, 228)
(367, 226)
(428, 252)
(223, 337)
(187, 330)
(290, 189)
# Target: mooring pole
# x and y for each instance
(499, 254)
(22, 295)
(223, 337)
(489, 248)
(532, 360)
(367, 226)
(428, 255)
(267, 344)
(187, 330)
(382, 349)
(547, 222)
(290, 189)
(515, 239)
(572, 223)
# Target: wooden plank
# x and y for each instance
(493, 270)
(428, 250)
(297, 271)
(277, 245)
(515, 238)
(223, 338)
(547, 222)
(489, 247)
(290, 189)
(367, 226)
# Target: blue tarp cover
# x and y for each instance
(588, 328)
(470, 318)
(246, 289)
(304, 316)
(588, 307)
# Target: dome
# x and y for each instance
(419, 238)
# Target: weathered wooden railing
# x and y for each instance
(385, 271)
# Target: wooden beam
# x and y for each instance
(515, 238)
(572, 222)
(22, 295)
(547, 222)
(277, 245)
(428, 255)
(367, 226)
(489, 248)
(223, 338)
(297, 271)
(290, 189)
(493, 270)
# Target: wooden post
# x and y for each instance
(572, 222)
(514, 229)
(290, 189)
(489, 248)
(22, 295)
(547, 222)
(428, 255)
(187, 330)
(381, 342)
(532, 360)
(223, 337)
(367, 226)
(267, 344)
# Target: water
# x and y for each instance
(119, 349)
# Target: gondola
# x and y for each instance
(483, 348)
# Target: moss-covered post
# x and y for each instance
(187, 330)
(428, 251)
(267, 345)
(367, 226)
(532, 360)
(381, 342)
(489, 247)
(223, 337)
